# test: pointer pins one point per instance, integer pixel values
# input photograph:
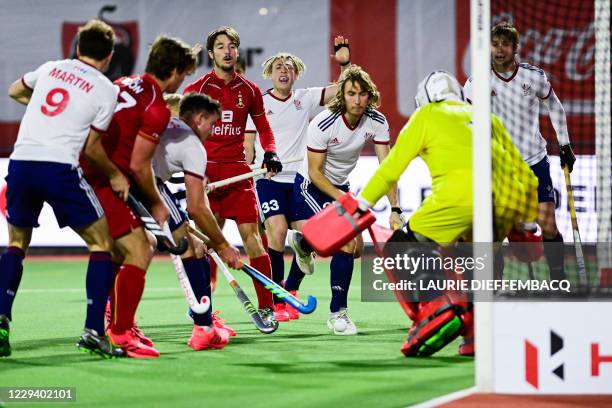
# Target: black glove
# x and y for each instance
(271, 162)
(567, 157)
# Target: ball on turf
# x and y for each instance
(340, 325)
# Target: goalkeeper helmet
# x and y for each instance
(438, 86)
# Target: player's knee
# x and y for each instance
(97, 237)
(253, 245)
(349, 248)
(19, 237)
(135, 248)
(276, 238)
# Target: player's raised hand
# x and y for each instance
(197, 48)
(120, 185)
(342, 51)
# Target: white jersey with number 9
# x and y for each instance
(69, 97)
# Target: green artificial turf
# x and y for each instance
(301, 365)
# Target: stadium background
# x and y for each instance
(397, 42)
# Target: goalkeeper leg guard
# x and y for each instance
(438, 323)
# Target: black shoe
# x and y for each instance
(92, 342)
(5, 346)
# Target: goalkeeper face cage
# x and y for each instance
(438, 86)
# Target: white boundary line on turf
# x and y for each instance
(79, 290)
(445, 398)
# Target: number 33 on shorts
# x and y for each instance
(268, 206)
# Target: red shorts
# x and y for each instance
(121, 220)
(236, 201)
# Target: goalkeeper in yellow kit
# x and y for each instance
(439, 131)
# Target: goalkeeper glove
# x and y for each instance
(567, 157)
(272, 163)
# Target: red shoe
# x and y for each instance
(292, 311)
(214, 338)
(219, 323)
(280, 313)
(141, 336)
(108, 317)
(131, 345)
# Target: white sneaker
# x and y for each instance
(341, 323)
(305, 260)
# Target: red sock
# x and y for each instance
(262, 264)
(111, 294)
(129, 285)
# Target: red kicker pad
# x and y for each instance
(527, 246)
(338, 223)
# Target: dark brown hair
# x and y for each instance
(96, 40)
(167, 54)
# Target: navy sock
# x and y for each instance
(98, 282)
(340, 279)
(11, 269)
(198, 273)
(554, 252)
(295, 276)
(278, 268)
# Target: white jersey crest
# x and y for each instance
(179, 149)
(516, 100)
(330, 134)
(289, 120)
(69, 97)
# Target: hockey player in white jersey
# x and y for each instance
(289, 112)
(335, 139)
(181, 149)
(517, 90)
(69, 102)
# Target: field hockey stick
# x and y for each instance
(289, 160)
(245, 302)
(240, 177)
(281, 292)
(203, 305)
(164, 243)
(582, 275)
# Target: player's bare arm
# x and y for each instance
(316, 164)
(142, 172)
(95, 154)
(249, 146)
(559, 122)
(342, 55)
(19, 92)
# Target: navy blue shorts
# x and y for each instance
(177, 215)
(308, 199)
(546, 192)
(32, 183)
(274, 198)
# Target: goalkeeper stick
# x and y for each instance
(582, 276)
(246, 304)
(164, 236)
